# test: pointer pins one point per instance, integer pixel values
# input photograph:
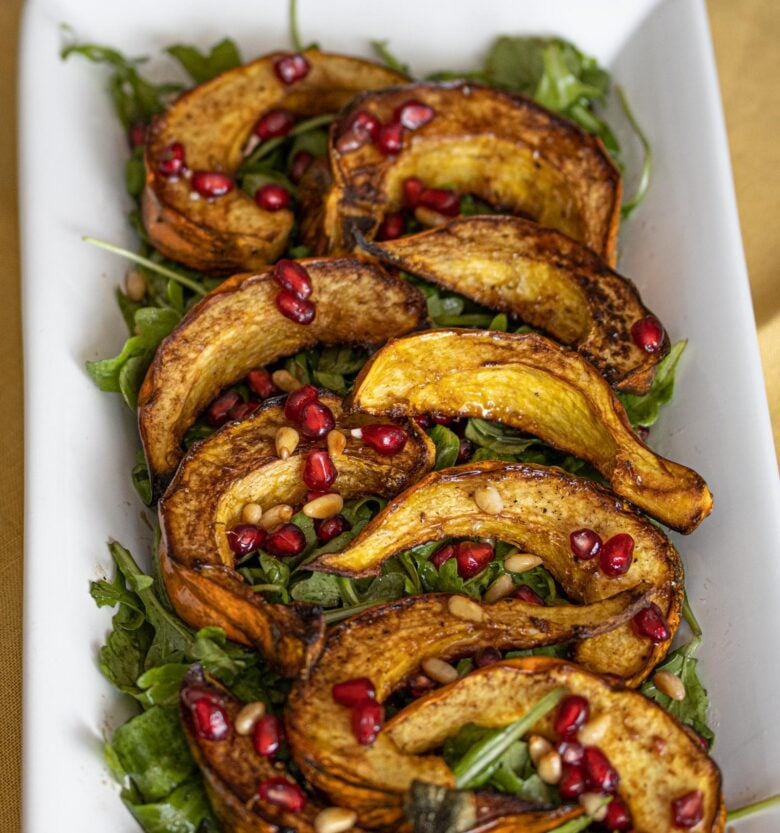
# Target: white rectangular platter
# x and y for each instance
(682, 248)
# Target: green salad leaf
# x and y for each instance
(447, 446)
(645, 410)
(203, 66)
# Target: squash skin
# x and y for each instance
(528, 382)
(657, 758)
(545, 278)
(213, 122)
(237, 327)
(502, 147)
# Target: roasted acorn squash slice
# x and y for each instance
(541, 276)
(503, 148)
(387, 644)
(529, 382)
(213, 123)
(239, 465)
(238, 327)
(658, 760)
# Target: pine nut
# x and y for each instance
(252, 513)
(276, 516)
(429, 217)
(520, 562)
(669, 684)
(285, 381)
(337, 442)
(499, 589)
(464, 608)
(595, 805)
(489, 500)
(550, 767)
(334, 820)
(439, 670)
(538, 747)
(325, 506)
(248, 716)
(286, 441)
(135, 284)
(593, 731)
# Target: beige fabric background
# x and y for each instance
(746, 43)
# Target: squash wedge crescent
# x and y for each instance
(541, 276)
(529, 382)
(387, 644)
(542, 507)
(213, 122)
(238, 327)
(658, 760)
(503, 148)
(239, 465)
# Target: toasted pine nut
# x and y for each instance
(499, 589)
(429, 217)
(550, 767)
(489, 500)
(325, 506)
(248, 716)
(275, 516)
(135, 284)
(252, 513)
(594, 805)
(521, 561)
(286, 441)
(439, 670)
(464, 608)
(593, 731)
(285, 381)
(669, 684)
(337, 442)
(334, 820)
(538, 747)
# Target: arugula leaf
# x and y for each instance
(318, 588)
(384, 54)
(202, 66)
(447, 446)
(645, 410)
(185, 810)
(496, 437)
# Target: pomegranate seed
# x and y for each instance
(643, 432)
(353, 692)
(286, 541)
(136, 135)
(572, 713)
(572, 783)
(267, 735)
(472, 558)
(365, 124)
(327, 529)
(295, 308)
(367, 718)
(618, 817)
(261, 383)
(442, 554)
(291, 68)
(414, 114)
(390, 138)
(313, 494)
(211, 184)
(570, 751)
(443, 420)
(299, 165)
(585, 543)
(218, 413)
(527, 594)
(282, 793)
(465, 450)
(272, 197)
(441, 200)
(648, 334)
(420, 685)
(296, 401)
(599, 774)
(316, 420)
(274, 123)
(293, 277)
(412, 188)
(171, 160)
(616, 555)
(688, 810)
(487, 656)
(351, 140)
(245, 538)
(243, 409)
(393, 226)
(386, 440)
(651, 622)
(211, 720)
(319, 473)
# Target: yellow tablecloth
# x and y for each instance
(746, 37)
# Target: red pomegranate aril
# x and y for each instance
(648, 334)
(316, 420)
(585, 543)
(618, 817)
(293, 277)
(353, 692)
(136, 134)
(272, 197)
(572, 713)
(390, 138)
(367, 718)
(282, 793)
(600, 776)
(211, 184)
(412, 189)
(441, 200)
(570, 751)
(473, 557)
(414, 114)
(210, 719)
(299, 165)
(420, 684)
(260, 383)
(465, 450)
(295, 308)
(286, 542)
(444, 553)
(218, 413)
(365, 124)
(688, 810)
(274, 123)
(351, 140)
(487, 656)
(245, 538)
(297, 400)
(616, 555)
(326, 529)
(424, 421)
(386, 440)
(651, 622)
(572, 783)
(171, 160)
(319, 473)
(528, 595)
(643, 432)
(291, 68)
(242, 410)
(267, 736)
(393, 226)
